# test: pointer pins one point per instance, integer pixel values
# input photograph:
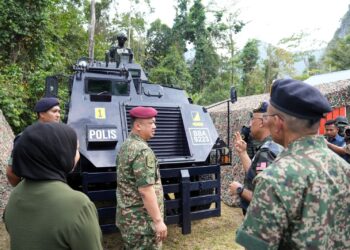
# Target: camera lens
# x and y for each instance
(347, 131)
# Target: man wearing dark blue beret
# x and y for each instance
(302, 200)
(48, 110)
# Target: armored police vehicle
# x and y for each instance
(101, 95)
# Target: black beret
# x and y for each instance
(299, 99)
(143, 112)
(46, 103)
(262, 107)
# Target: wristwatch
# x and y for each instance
(239, 190)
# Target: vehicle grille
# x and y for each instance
(170, 139)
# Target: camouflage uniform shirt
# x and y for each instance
(301, 201)
(137, 166)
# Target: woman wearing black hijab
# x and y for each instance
(43, 212)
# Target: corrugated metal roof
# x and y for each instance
(328, 77)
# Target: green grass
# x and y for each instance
(213, 233)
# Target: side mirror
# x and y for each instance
(51, 86)
(233, 94)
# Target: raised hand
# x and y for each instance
(239, 144)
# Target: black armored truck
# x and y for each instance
(101, 94)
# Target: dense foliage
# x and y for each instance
(337, 56)
(38, 39)
(198, 53)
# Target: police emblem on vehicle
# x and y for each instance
(101, 137)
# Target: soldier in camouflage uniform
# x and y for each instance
(302, 200)
(266, 153)
(140, 204)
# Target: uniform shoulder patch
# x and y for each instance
(261, 166)
(150, 159)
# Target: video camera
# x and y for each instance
(245, 133)
(347, 133)
(341, 122)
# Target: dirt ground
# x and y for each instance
(213, 233)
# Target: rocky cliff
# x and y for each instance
(343, 30)
(6, 140)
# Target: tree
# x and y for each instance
(179, 29)
(159, 41)
(205, 65)
(133, 24)
(313, 66)
(101, 26)
(13, 97)
(172, 70)
(22, 25)
(217, 90)
(251, 84)
(336, 57)
(294, 44)
(233, 27)
(279, 63)
(92, 30)
(44, 40)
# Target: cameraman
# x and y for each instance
(343, 151)
(341, 122)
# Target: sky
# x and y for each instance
(272, 20)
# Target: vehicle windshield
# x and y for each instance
(106, 87)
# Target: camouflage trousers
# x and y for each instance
(140, 242)
(137, 230)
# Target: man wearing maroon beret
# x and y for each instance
(140, 203)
